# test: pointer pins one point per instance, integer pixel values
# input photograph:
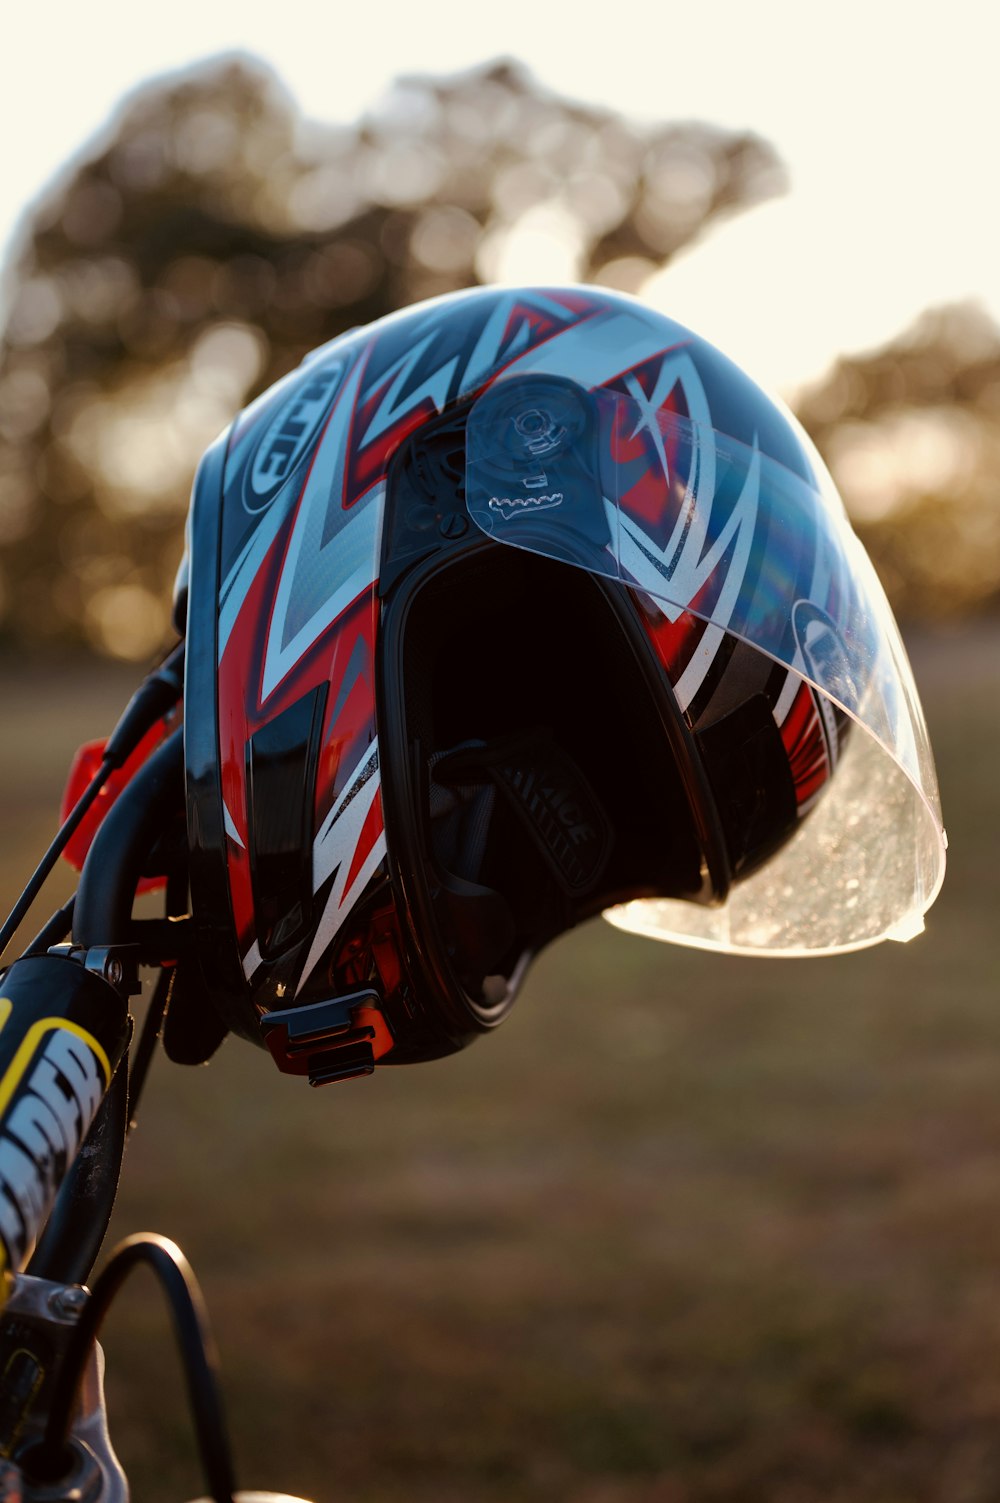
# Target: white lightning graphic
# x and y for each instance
(486, 356)
(332, 584)
(230, 825)
(675, 589)
(595, 349)
(334, 848)
(390, 408)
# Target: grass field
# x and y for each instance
(685, 1229)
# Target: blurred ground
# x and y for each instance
(685, 1229)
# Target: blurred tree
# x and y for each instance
(214, 236)
(912, 434)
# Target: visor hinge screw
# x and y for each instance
(454, 525)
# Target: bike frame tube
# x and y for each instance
(64, 1031)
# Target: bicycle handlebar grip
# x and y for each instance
(63, 1032)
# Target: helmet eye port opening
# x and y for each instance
(530, 809)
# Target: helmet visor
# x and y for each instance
(719, 532)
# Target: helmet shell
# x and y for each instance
(315, 518)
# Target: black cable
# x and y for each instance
(149, 1037)
(142, 1056)
(155, 696)
(48, 861)
(54, 931)
(48, 1460)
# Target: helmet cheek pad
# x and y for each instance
(507, 818)
(457, 931)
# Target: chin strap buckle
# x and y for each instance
(329, 1040)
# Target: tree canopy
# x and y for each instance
(912, 433)
(213, 235)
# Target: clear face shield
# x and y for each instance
(703, 525)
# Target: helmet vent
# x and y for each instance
(281, 778)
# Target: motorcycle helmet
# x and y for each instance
(513, 608)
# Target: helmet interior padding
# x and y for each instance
(510, 660)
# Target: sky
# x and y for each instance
(886, 114)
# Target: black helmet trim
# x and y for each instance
(210, 895)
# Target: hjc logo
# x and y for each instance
(288, 436)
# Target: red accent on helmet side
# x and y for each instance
(674, 642)
(372, 828)
(238, 682)
(350, 711)
(343, 657)
(582, 302)
(367, 464)
(802, 735)
(644, 500)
